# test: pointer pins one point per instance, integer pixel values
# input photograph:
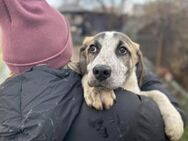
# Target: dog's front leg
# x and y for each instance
(91, 95)
(97, 97)
(174, 126)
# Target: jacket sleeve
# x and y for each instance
(152, 82)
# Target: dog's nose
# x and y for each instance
(101, 72)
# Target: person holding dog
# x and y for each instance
(44, 101)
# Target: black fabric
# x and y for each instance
(45, 104)
(132, 118)
(39, 105)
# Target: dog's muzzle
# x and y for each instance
(102, 72)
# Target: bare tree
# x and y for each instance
(171, 19)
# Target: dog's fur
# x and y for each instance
(105, 49)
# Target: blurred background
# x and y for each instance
(159, 26)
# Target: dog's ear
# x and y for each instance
(83, 55)
(83, 59)
(139, 65)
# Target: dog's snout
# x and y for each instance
(101, 72)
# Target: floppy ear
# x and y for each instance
(139, 65)
(83, 57)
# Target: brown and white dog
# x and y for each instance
(109, 60)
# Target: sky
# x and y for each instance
(57, 3)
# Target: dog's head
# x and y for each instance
(109, 58)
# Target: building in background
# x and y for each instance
(86, 22)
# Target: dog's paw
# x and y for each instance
(99, 99)
(93, 98)
(108, 98)
(88, 100)
(97, 104)
(174, 128)
(102, 99)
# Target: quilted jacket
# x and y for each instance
(45, 104)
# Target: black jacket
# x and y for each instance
(45, 104)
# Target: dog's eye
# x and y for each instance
(122, 50)
(93, 49)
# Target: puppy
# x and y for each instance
(110, 60)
